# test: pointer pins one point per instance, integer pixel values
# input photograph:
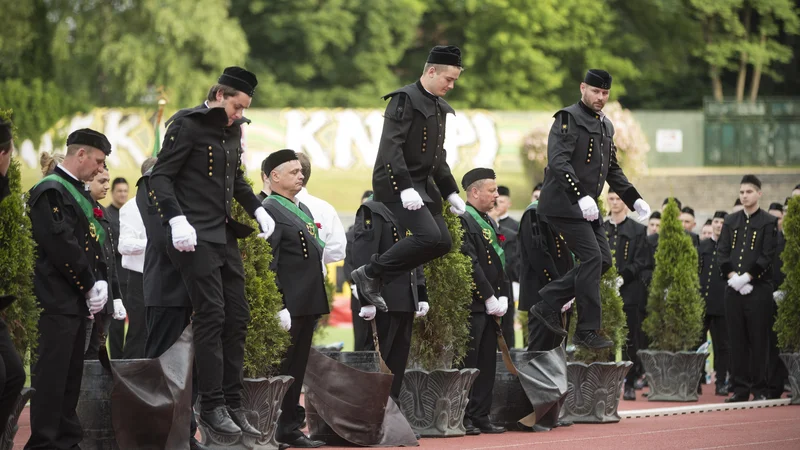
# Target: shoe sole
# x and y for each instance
(375, 300)
(559, 331)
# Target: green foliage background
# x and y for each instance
(674, 307)
(787, 324)
(439, 340)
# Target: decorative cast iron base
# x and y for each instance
(594, 391)
(434, 402)
(792, 363)
(672, 377)
(7, 439)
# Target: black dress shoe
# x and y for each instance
(417, 436)
(305, 442)
(629, 393)
(759, 398)
(591, 340)
(194, 444)
(549, 317)
(472, 430)
(737, 398)
(640, 384)
(721, 391)
(700, 389)
(240, 419)
(282, 446)
(487, 427)
(563, 423)
(370, 288)
(219, 421)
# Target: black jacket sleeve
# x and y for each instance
(637, 264)
(366, 239)
(560, 145)
(243, 193)
(617, 180)
(444, 178)
(275, 242)
(724, 252)
(483, 287)
(176, 148)
(396, 126)
(768, 249)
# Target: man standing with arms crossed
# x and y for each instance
(581, 158)
(411, 175)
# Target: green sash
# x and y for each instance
(310, 225)
(489, 234)
(96, 230)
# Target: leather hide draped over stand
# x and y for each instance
(544, 380)
(355, 404)
(151, 398)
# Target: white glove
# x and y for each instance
(458, 206)
(778, 296)
(589, 208)
(100, 289)
(515, 289)
(367, 312)
(266, 223)
(493, 307)
(286, 319)
(746, 289)
(568, 305)
(423, 309)
(119, 310)
(97, 297)
(184, 238)
(620, 281)
(643, 209)
(738, 281)
(354, 290)
(411, 199)
(503, 305)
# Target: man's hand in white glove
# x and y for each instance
(503, 300)
(266, 223)
(746, 289)
(458, 206)
(493, 307)
(642, 209)
(568, 305)
(354, 290)
(285, 318)
(515, 290)
(738, 281)
(119, 310)
(100, 289)
(620, 282)
(184, 238)
(411, 199)
(367, 312)
(778, 296)
(423, 309)
(589, 208)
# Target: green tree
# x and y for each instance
(43, 103)
(674, 307)
(787, 324)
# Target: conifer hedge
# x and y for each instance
(787, 325)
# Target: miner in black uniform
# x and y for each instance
(116, 332)
(12, 373)
(297, 263)
(361, 330)
(712, 288)
(375, 231)
(490, 293)
(544, 257)
(412, 178)
(510, 243)
(745, 253)
(581, 158)
(69, 285)
(195, 180)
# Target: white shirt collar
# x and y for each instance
(68, 173)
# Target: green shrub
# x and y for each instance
(787, 324)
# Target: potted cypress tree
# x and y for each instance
(674, 316)
(787, 324)
(435, 395)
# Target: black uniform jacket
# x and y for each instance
(488, 277)
(712, 285)
(296, 262)
(411, 152)
(112, 270)
(748, 244)
(374, 232)
(544, 256)
(581, 158)
(198, 173)
(69, 259)
(162, 282)
(628, 241)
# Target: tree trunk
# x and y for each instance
(716, 83)
(743, 56)
(756, 81)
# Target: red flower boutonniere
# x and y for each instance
(98, 213)
(501, 237)
(319, 225)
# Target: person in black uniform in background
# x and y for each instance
(688, 222)
(361, 329)
(712, 288)
(69, 284)
(544, 256)
(581, 159)
(489, 295)
(297, 263)
(750, 234)
(12, 373)
(411, 175)
(116, 331)
(375, 231)
(628, 242)
(509, 241)
(193, 193)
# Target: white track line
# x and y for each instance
(749, 443)
(695, 409)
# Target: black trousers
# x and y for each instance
(12, 374)
(587, 240)
(429, 240)
(482, 355)
(632, 345)
(718, 327)
(132, 342)
(508, 325)
(361, 328)
(116, 332)
(163, 326)
(394, 337)
(540, 338)
(294, 364)
(776, 371)
(57, 377)
(94, 339)
(749, 318)
(214, 278)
